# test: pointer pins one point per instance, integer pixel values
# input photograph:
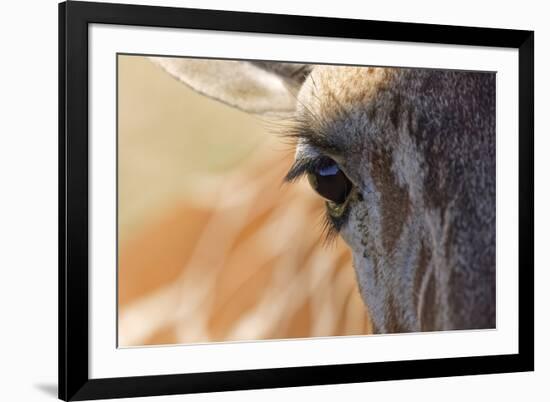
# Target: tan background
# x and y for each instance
(212, 245)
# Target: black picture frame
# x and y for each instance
(74, 19)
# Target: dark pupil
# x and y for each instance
(330, 182)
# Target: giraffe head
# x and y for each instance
(405, 160)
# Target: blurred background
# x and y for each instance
(212, 245)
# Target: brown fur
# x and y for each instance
(395, 203)
(418, 146)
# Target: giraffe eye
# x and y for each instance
(328, 180)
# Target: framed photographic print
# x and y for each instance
(258, 200)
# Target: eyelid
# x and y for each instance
(318, 137)
(305, 161)
(302, 166)
(313, 164)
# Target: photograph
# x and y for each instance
(250, 200)
(267, 200)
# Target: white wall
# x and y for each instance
(28, 200)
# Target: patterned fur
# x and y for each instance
(419, 147)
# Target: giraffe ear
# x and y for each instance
(266, 88)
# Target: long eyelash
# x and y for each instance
(331, 226)
(300, 128)
(299, 168)
(307, 165)
(329, 230)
